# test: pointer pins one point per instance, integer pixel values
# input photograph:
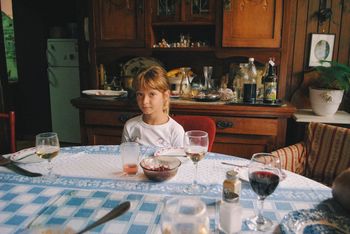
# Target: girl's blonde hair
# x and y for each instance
(153, 77)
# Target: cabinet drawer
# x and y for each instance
(253, 126)
(107, 118)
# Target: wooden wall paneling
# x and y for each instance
(290, 48)
(324, 26)
(299, 44)
(334, 25)
(344, 42)
(311, 27)
(286, 45)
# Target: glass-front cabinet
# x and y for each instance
(183, 11)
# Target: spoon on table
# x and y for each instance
(117, 211)
(233, 164)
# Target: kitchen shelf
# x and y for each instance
(190, 49)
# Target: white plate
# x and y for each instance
(314, 221)
(105, 94)
(25, 156)
(135, 65)
(172, 152)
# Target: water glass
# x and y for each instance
(130, 155)
(185, 215)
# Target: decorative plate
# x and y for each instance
(25, 156)
(314, 221)
(105, 94)
(135, 65)
(172, 152)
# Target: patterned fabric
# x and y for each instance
(327, 150)
(292, 157)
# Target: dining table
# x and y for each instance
(91, 182)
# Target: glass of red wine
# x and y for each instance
(264, 177)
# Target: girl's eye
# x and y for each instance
(139, 94)
(152, 94)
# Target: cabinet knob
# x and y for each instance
(224, 124)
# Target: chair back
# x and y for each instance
(9, 128)
(327, 149)
(194, 122)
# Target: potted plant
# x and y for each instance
(326, 92)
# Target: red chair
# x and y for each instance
(193, 122)
(10, 123)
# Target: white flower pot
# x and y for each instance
(325, 102)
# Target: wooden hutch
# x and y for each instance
(232, 30)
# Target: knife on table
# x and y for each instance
(5, 162)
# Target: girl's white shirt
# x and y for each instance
(170, 134)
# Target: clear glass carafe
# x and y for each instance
(185, 85)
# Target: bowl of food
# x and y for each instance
(160, 168)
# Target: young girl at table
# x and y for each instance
(154, 127)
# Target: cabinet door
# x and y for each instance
(119, 23)
(183, 11)
(200, 10)
(166, 10)
(252, 23)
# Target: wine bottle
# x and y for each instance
(270, 84)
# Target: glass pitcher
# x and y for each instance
(185, 85)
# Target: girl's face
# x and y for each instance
(151, 101)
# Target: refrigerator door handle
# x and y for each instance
(53, 81)
(49, 57)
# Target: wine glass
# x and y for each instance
(185, 215)
(264, 176)
(47, 147)
(196, 146)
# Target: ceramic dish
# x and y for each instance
(207, 97)
(105, 94)
(25, 156)
(135, 65)
(314, 221)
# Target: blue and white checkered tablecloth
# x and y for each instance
(91, 183)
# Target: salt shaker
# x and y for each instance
(230, 213)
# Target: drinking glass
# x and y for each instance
(207, 71)
(264, 176)
(47, 147)
(185, 215)
(196, 146)
(130, 155)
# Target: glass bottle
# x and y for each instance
(249, 85)
(270, 84)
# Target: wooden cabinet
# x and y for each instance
(183, 11)
(119, 23)
(252, 23)
(241, 130)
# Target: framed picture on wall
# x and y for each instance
(321, 49)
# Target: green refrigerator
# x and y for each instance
(64, 82)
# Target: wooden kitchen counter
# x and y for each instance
(241, 129)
